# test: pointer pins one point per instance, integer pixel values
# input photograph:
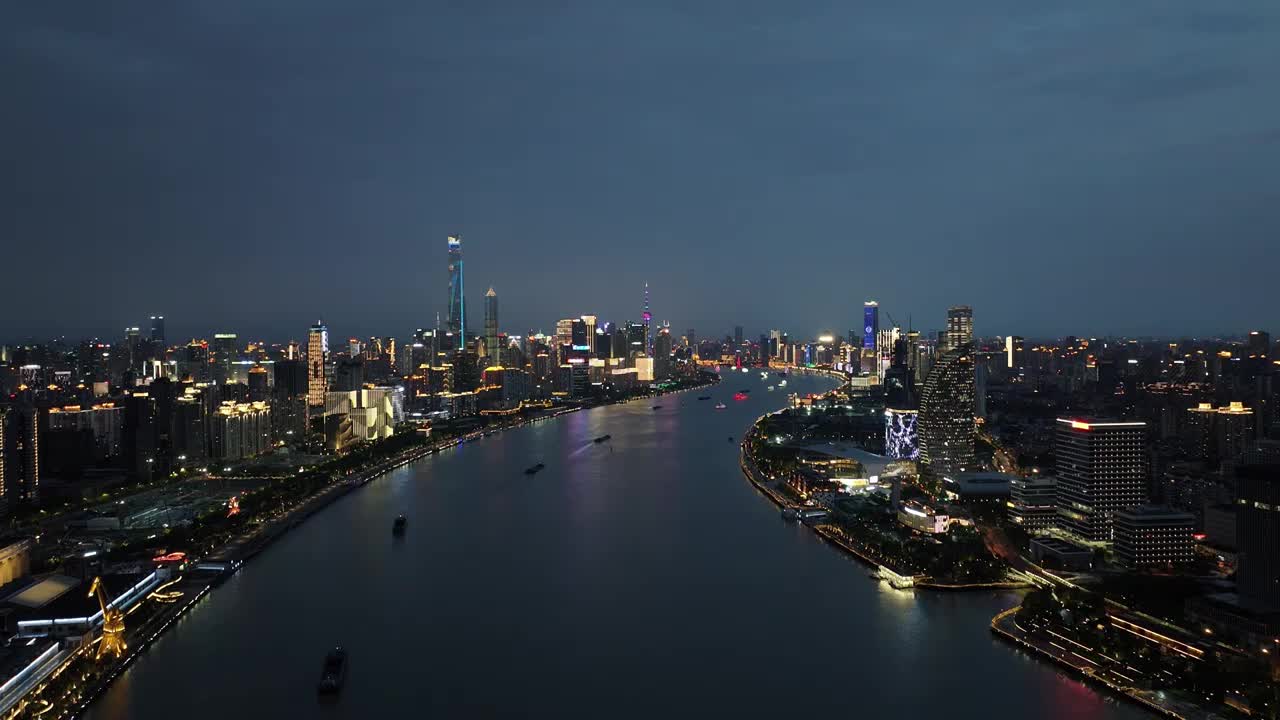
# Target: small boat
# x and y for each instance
(782, 383)
(770, 388)
(745, 391)
(740, 396)
(720, 406)
(397, 527)
(334, 673)
(602, 438)
(730, 438)
(704, 397)
(533, 469)
(656, 407)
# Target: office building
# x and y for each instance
(1150, 536)
(189, 438)
(1015, 352)
(317, 365)
(1258, 533)
(348, 375)
(947, 426)
(646, 318)
(492, 352)
(457, 295)
(662, 354)
(1033, 502)
(157, 330)
(636, 343)
(644, 369)
(363, 415)
(588, 334)
(959, 330)
(901, 434)
(259, 384)
(1102, 468)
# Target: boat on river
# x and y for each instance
(601, 439)
(398, 526)
(721, 406)
(533, 469)
(334, 672)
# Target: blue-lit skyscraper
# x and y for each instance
(457, 299)
(870, 324)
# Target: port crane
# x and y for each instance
(112, 624)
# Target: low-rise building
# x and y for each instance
(1032, 502)
(1150, 536)
(1063, 554)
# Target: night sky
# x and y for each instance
(1082, 167)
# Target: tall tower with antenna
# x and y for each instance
(647, 317)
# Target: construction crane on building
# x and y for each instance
(112, 624)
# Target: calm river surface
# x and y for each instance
(643, 577)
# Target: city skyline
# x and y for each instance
(831, 181)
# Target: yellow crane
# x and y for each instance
(112, 624)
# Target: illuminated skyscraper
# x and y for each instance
(1102, 468)
(647, 317)
(317, 365)
(947, 426)
(491, 349)
(959, 327)
(1014, 353)
(589, 336)
(870, 324)
(157, 329)
(662, 354)
(457, 296)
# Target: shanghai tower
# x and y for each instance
(457, 301)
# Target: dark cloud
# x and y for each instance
(1094, 167)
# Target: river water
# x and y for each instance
(643, 577)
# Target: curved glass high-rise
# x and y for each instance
(457, 301)
(946, 425)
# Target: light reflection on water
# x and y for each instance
(638, 577)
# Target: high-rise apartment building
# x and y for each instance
(1219, 434)
(1102, 468)
(317, 365)
(947, 425)
(457, 294)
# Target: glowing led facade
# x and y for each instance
(901, 439)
